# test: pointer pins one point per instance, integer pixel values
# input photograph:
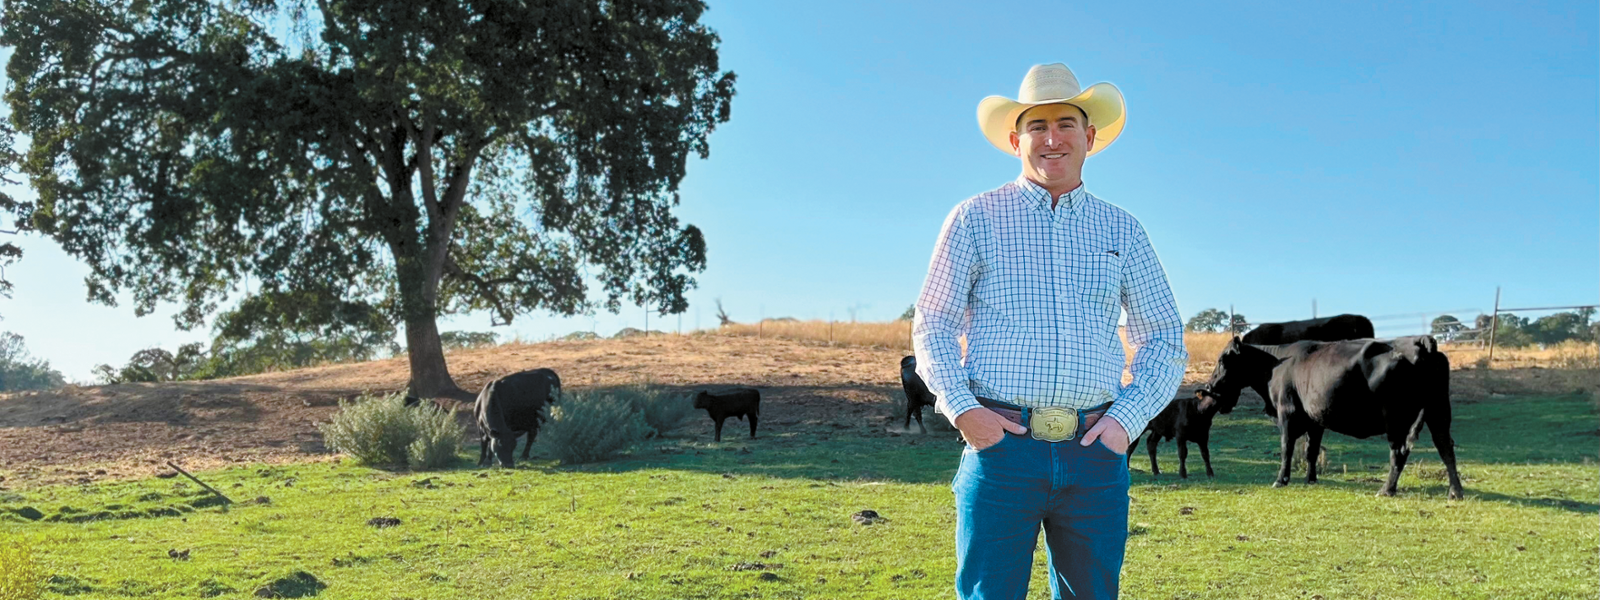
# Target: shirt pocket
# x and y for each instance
(1098, 279)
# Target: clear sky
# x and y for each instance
(1382, 158)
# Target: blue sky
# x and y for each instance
(1380, 158)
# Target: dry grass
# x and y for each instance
(1203, 347)
(1570, 354)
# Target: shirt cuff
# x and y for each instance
(1124, 411)
(953, 406)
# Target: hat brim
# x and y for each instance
(1102, 102)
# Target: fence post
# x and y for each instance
(1494, 325)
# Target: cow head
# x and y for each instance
(702, 400)
(1239, 366)
(503, 449)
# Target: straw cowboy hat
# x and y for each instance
(1054, 84)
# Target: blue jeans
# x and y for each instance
(1005, 492)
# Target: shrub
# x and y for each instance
(381, 431)
(19, 572)
(663, 412)
(439, 436)
(587, 427)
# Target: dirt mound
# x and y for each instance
(89, 433)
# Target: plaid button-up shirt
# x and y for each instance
(1038, 294)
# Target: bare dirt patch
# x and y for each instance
(85, 434)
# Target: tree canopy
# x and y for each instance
(407, 158)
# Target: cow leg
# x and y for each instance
(528, 447)
(752, 426)
(1313, 447)
(1439, 425)
(1291, 432)
(1205, 454)
(1154, 470)
(920, 426)
(1399, 452)
(1183, 456)
(483, 451)
(719, 428)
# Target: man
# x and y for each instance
(1035, 275)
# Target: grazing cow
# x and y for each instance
(1186, 419)
(509, 407)
(917, 394)
(737, 402)
(1326, 329)
(1360, 388)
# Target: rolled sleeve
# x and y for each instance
(1155, 331)
(943, 315)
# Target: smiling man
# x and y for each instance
(1036, 275)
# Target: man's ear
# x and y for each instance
(1090, 128)
(1016, 145)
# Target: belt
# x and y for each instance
(1049, 424)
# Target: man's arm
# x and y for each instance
(1155, 330)
(941, 316)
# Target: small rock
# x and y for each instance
(383, 522)
(262, 500)
(868, 517)
(768, 576)
(30, 513)
(1243, 538)
(166, 474)
(1187, 510)
(178, 555)
(769, 554)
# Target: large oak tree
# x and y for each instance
(420, 157)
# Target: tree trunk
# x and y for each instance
(430, 377)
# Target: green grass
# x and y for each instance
(677, 519)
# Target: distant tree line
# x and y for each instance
(1517, 332)
(21, 371)
(1213, 320)
(274, 333)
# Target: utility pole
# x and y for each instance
(1494, 324)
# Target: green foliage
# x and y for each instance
(663, 412)
(909, 314)
(1212, 320)
(1209, 320)
(439, 438)
(382, 431)
(592, 426)
(155, 365)
(20, 576)
(419, 161)
(10, 253)
(455, 340)
(1447, 328)
(19, 371)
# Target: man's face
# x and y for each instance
(1052, 141)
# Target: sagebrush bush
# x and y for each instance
(382, 431)
(586, 427)
(20, 577)
(663, 412)
(439, 437)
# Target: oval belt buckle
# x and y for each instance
(1053, 424)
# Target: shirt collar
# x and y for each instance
(1040, 198)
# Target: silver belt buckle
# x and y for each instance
(1053, 424)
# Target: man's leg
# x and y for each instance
(1000, 496)
(1086, 522)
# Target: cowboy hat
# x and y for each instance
(1054, 84)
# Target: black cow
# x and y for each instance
(917, 394)
(738, 402)
(1186, 419)
(1360, 388)
(509, 407)
(1326, 329)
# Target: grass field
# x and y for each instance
(771, 518)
